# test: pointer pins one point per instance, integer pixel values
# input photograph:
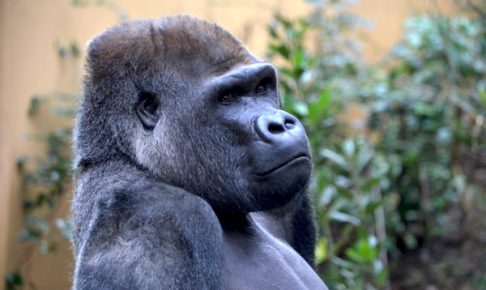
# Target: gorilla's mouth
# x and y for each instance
(295, 159)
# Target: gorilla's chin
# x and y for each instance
(279, 186)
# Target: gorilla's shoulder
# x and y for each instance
(154, 198)
(130, 202)
(128, 191)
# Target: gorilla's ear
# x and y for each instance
(147, 109)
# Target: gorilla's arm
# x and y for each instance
(293, 223)
(302, 229)
(155, 237)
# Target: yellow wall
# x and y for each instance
(28, 64)
(4, 192)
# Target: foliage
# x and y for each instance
(430, 119)
(430, 116)
(109, 5)
(45, 179)
(426, 107)
(317, 84)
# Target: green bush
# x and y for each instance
(429, 115)
(385, 191)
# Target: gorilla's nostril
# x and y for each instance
(275, 128)
(289, 124)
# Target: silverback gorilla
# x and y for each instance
(188, 174)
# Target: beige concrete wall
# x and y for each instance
(29, 65)
(4, 194)
(387, 18)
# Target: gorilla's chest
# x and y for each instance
(265, 262)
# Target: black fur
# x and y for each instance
(167, 169)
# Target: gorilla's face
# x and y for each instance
(271, 154)
(224, 138)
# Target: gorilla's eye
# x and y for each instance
(264, 85)
(227, 98)
(260, 89)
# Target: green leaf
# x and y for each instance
(371, 207)
(317, 108)
(301, 108)
(344, 217)
(482, 96)
(35, 103)
(28, 235)
(349, 147)
(321, 250)
(362, 252)
(74, 49)
(65, 227)
(327, 195)
(334, 157)
(20, 162)
(38, 223)
(44, 247)
(370, 184)
(282, 50)
(13, 280)
(298, 58)
(272, 31)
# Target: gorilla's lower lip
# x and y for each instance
(281, 165)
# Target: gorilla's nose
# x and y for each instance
(279, 128)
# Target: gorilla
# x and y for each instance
(187, 173)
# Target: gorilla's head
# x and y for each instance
(185, 101)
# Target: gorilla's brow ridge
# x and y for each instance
(239, 76)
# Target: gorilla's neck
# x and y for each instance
(239, 222)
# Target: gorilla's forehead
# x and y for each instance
(181, 41)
